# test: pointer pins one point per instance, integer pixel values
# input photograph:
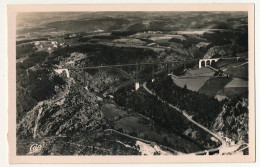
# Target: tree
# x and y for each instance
(185, 86)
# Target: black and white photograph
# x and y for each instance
(132, 83)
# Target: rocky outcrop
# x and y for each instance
(79, 112)
(69, 116)
(233, 120)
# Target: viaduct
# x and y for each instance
(168, 64)
(207, 62)
(137, 67)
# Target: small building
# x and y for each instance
(37, 43)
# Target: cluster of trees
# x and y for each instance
(96, 37)
(189, 45)
(31, 40)
(118, 55)
(163, 116)
(188, 42)
(203, 108)
(180, 69)
(159, 112)
(33, 86)
(123, 33)
(239, 39)
(24, 50)
(231, 42)
(102, 54)
(75, 35)
(32, 60)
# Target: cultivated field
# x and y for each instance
(192, 83)
(236, 87)
(200, 72)
(239, 69)
(237, 82)
(232, 92)
(194, 78)
(213, 85)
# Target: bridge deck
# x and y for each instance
(133, 64)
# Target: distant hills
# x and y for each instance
(130, 21)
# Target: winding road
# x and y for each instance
(222, 149)
(223, 142)
(143, 140)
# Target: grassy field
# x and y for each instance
(237, 82)
(213, 85)
(200, 72)
(235, 68)
(239, 69)
(232, 92)
(194, 78)
(192, 84)
(236, 87)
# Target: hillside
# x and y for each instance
(203, 108)
(233, 120)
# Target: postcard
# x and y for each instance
(128, 83)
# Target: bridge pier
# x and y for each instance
(137, 85)
(153, 79)
(84, 81)
(167, 68)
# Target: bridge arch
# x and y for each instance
(208, 63)
(122, 72)
(202, 63)
(118, 71)
(125, 74)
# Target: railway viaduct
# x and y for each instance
(137, 66)
(207, 62)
